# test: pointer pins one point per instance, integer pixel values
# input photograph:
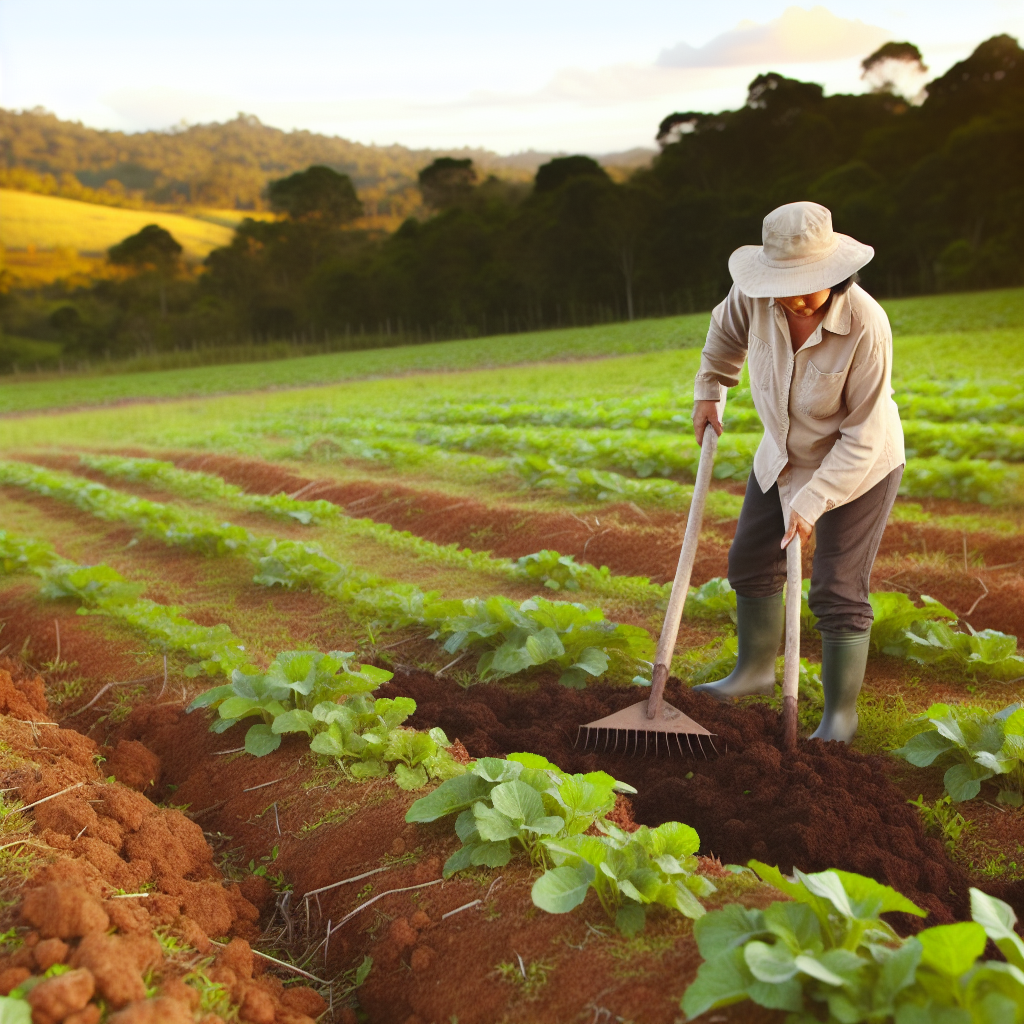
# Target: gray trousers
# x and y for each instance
(847, 540)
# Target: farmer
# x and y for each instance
(820, 355)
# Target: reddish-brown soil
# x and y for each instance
(824, 805)
(94, 833)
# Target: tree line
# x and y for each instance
(936, 189)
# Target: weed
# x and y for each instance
(364, 892)
(940, 817)
(528, 978)
(214, 997)
(10, 941)
(334, 816)
(64, 690)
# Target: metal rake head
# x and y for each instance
(630, 730)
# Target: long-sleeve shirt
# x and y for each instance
(831, 428)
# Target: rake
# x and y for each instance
(653, 723)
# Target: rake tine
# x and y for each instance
(679, 743)
(579, 729)
(712, 742)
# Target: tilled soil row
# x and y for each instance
(820, 806)
(96, 838)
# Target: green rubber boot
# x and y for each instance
(759, 622)
(844, 656)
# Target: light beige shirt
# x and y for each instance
(831, 428)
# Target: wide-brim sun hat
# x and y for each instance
(801, 254)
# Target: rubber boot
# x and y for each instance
(759, 622)
(844, 656)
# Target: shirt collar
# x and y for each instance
(836, 320)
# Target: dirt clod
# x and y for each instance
(257, 1005)
(421, 959)
(12, 977)
(87, 1015)
(114, 964)
(49, 952)
(302, 999)
(154, 1011)
(53, 999)
(64, 911)
(134, 765)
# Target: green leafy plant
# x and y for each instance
(523, 799)
(827, 950)
(518, 637)
(985, 745)
(285, 696)
(894, 613)
(941, 817)
(555, 571)
(628, 871)
(367, 737)
(712, 600)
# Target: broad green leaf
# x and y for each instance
(924, 748)
(857, 896)
(438, 736)
(963, 782)
(773, 964)
(898, 971)
(205, 699)
(544, 646)
(410, 778)
(451, 796)
(329, 743)
(674, 838)
(458, 861)
(951, 949)
(630, 919)
(534, 761)
(261, 740)
(562, 889)
(721, 981)
(998, 920)
(517, 801)
(496, 769)
(1010, 797)
(549, 825)
(593, 661)
(995, 764)
(679, 896)
(492, 825)
(14, 1011)
(786, 995)
(294, 721)
(239, 707)
(815, 969)
(795, 924)
(491, 855)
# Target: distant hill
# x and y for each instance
(227, 165)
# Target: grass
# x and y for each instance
(49, 222)
(933, 333)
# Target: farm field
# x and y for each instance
(233, 597)
(29, 220)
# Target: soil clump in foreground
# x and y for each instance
(101, 873)
(821, 806)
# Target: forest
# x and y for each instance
(935, 188)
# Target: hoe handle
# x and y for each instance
(681, 584)
(791, 672)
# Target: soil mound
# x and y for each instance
(821, 806)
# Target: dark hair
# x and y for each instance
(845, 286)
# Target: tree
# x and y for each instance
(153, 249)
(555, 173)
(316, 195)
(896, 68)
(447, 182)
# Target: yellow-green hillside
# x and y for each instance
(49, 222)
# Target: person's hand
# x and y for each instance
(703, 414)
(797, 524)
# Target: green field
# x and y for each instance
(49, 222)
(934, 334)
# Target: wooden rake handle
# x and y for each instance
(791, 672)
(681, 584)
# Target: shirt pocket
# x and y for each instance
(820, 394)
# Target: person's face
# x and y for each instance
(806, 305)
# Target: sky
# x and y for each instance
(551, 75)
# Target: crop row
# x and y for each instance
(669, 408)
(900, 628)
(547, 568)
(509, 637)
(594, 463)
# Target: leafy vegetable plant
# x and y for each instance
(522, 800)
(827, 951)
(628, 872)
(984, 745)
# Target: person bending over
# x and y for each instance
(819, 350)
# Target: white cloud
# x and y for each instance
(798, 36)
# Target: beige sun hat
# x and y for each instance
(801, 254)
